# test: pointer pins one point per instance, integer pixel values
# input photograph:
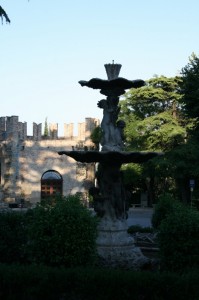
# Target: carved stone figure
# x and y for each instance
(112, 139)
(107, 124)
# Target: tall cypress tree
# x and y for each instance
(46, 128)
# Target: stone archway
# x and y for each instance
(51, 184)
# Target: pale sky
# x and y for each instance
(51, 45)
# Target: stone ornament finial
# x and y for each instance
(112, 70)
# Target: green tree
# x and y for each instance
(183, 159)
(133, 181)
(155, 122)
(96, 136)
(4, 15)
(182, 164)
(153, 115)
(190, 89)
(46, 128)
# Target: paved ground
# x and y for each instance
(140, 216)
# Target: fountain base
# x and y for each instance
(116, 248)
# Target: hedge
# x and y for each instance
(60, 235)
(39, 282)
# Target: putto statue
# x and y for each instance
(112, 130)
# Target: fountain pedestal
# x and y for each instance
(116, 248)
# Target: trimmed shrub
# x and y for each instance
(62, 234)
(179, 240)
(59, 233)
(13, 237)
(166, 205)
(39, 282)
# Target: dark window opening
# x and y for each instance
(51, 184)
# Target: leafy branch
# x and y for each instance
(3, 14)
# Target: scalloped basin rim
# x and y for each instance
(120, 82)
(111, 157)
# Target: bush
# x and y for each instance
(137, 228)
(39, 282)
(166, 205)
(63, 234)
(13, 237)
(59, 233)
(179, 240)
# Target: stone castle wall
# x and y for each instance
(24, 159)
(10, 127)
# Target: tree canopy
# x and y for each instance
(157, 120)
(4, 15)
(190, 88)
(46, 131)
(153, 115)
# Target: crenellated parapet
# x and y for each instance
(90, 125)
(22, 130)
(68, 130)
(37, 131)
(53, 131)
(13, 129)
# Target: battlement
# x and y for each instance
(12, 129)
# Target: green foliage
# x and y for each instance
(46, 131)
(183, 160)
(131, 173)
(132, 179)
(153, 115)
(178, 228)
(179, 240)
(137, 228)
(165, 206)
(155, 121)
(3, 15)
(160, 94)
(96, 135)
(189, 85)
(63, 234)
(39, 282)
(161, 132)
(12, 237)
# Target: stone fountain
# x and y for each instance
(116, 248)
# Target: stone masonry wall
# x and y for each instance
(37, 158)
(25, 159)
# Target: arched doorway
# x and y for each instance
(51, 184)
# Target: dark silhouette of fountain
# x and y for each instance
(115, 246)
